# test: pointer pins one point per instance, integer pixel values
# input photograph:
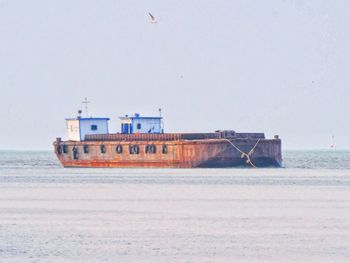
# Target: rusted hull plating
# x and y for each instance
(176, 153)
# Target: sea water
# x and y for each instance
(300, 213)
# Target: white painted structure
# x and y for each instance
(73, 130)
(77, 128)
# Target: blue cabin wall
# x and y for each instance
(86, 126)
(137, 124)
(77, 128)
(146, 125)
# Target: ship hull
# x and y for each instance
(204, 153)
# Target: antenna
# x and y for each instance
(86, 102)
(161, 124)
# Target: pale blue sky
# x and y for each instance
(281, 67)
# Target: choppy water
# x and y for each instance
(300, 213)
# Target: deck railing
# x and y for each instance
(171, 136)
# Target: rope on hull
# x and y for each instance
(243, 154)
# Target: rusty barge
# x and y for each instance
(143, 143)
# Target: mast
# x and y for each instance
(161, 121)
(333, 146)
(86, 102)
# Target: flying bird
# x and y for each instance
(153, 19)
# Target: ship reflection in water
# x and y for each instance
(143, 143)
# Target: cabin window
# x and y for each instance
(164, 149)
(126, 128)
(103, 148)
(150, 148)
(86, 148)
(94, 127)
(138, 126)
(65, 148)
(119, 149)
(134, 149)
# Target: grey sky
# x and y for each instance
(281, 67)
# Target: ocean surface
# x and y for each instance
(299, 213)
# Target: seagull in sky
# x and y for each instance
(153, 19)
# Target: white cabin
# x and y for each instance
(79, 127)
